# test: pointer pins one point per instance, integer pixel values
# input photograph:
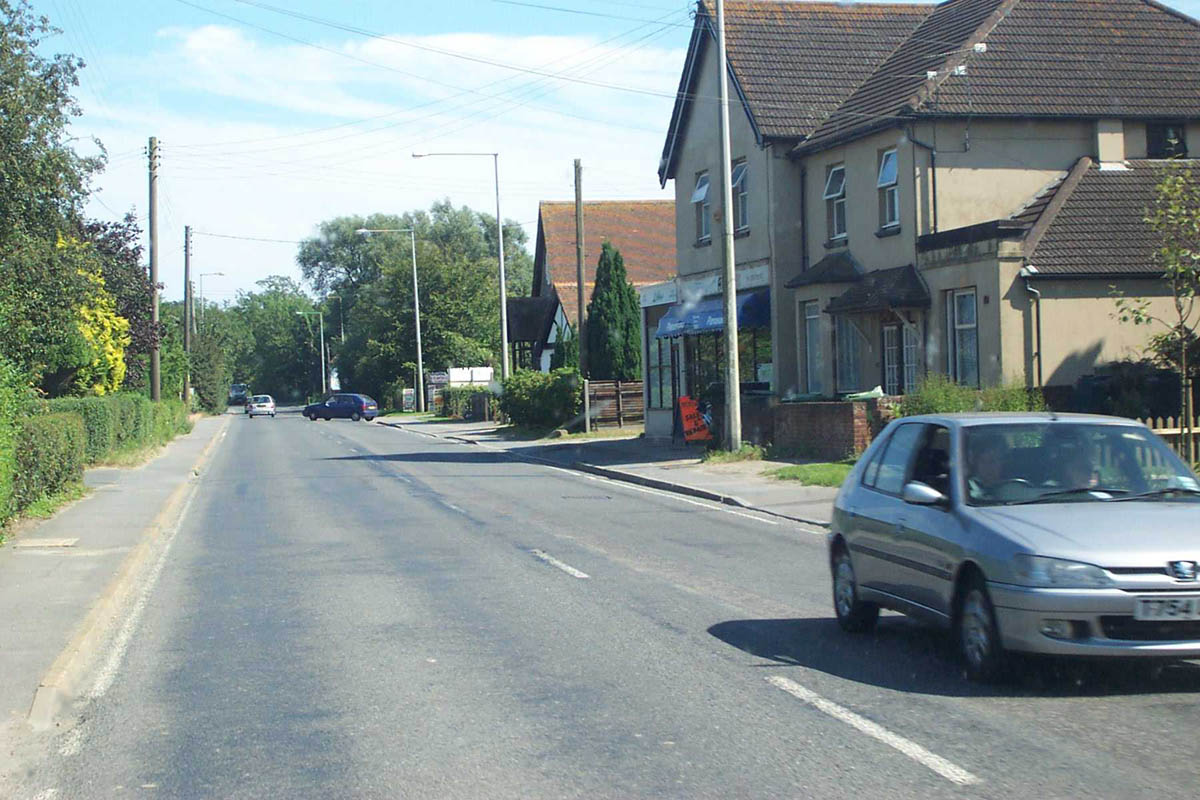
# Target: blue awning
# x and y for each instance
(704, 316)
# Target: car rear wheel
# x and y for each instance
(978, 634)
(853, 615)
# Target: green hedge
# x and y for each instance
(458, 399)
(50, 454)
(540, 399)
(99, 422)
(170, 420)
(133, 419)
(937, 394)
(13, 391)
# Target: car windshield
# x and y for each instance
(1070, 462)
(262, 398)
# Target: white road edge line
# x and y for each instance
(951, 772)
(554, 562)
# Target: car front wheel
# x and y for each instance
(978, 634)
(853, 615)
(355, 416)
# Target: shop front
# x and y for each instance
(688, 353)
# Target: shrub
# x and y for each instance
(50, 453)
(937, 394)
(13, 392)
(99, 424)
(460, 399)
(170, 420)
(134, 417)
(540, 399)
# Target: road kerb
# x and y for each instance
(634, 478)
(59, 683)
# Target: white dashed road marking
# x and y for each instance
(951, 772)
(554, 562)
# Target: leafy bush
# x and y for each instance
(938, 394)
(170, 420)
(99, 423)
(13, 392)
(134, 420)
(459, 399)
(540, 399)
(50, 453)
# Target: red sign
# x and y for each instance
(695, 429)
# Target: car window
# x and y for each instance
(932, 465)
(893, 465)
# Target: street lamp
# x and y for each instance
(202, 274)
(320, 317)
(412, 236)
(500, 248)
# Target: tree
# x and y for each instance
(281, 358)
(43, 182)
(566, 348)
(128, 280)
(1175, 219)
(614, 329)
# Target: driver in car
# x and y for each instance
(986, 454)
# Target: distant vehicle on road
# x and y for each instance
(345, 406)
(261, 405)
(1067, 535)
(239, 393)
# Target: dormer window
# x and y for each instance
(889, 193)
(703, 209)
(835, 201)
(1166, 140)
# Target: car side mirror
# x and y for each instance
(921, 494)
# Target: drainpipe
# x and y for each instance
(932, 171)
(1027, 273)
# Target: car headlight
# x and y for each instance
(1058, 573)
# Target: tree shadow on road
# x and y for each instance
(903, 655)
(439, 457)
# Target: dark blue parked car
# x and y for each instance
(346, 406)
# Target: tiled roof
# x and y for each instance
(1028, 58)
(839, 267)
(1099, 228)
(1082, 57)
(796, 61)
(898, 287)
(643, 230)
(530, 318)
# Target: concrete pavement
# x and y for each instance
(660, 465)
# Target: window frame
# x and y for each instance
(912, 366)
(703, 207)
(835, 204)
(877, 461)
(741, 211)
(812, 346)
(893, 360)
(953, 327)
(852, 355)
(889, 190)
(1164, 125)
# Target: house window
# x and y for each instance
(912, 354)
(962, 337)
(1166, 140)
(739, 179)
(835, 202)
(703, 208)
(658, 372)
(889, 193)
(847, 355)
(814, 361)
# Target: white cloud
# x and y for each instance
(232, 112)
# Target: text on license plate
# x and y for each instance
(1167, 608)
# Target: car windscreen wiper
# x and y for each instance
(1041, 498)
(1161, 493)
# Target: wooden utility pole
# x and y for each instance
(187, 315)
(579, 293)
(155, 373)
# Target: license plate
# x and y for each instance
(1167, 609)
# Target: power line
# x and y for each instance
(245, 238)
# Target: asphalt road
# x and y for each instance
(349, 610)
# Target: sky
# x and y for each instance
(275, 115)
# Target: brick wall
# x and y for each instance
(828, 431)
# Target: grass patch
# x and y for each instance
(825, 473)
(48, 505)
(748, 452)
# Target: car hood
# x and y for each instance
(1132, 533)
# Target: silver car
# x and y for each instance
(1062, 534)
(261, 405)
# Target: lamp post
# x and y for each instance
(320, 317)
(412, 236)
(500, 251)
(202, 274)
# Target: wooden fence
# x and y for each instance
(616, 402)
(1170, 430)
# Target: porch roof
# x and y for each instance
(898, 287)
(839, 267)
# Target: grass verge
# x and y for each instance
(48, 505)
(826, 473)
(748, 452)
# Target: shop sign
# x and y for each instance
(695, 426)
